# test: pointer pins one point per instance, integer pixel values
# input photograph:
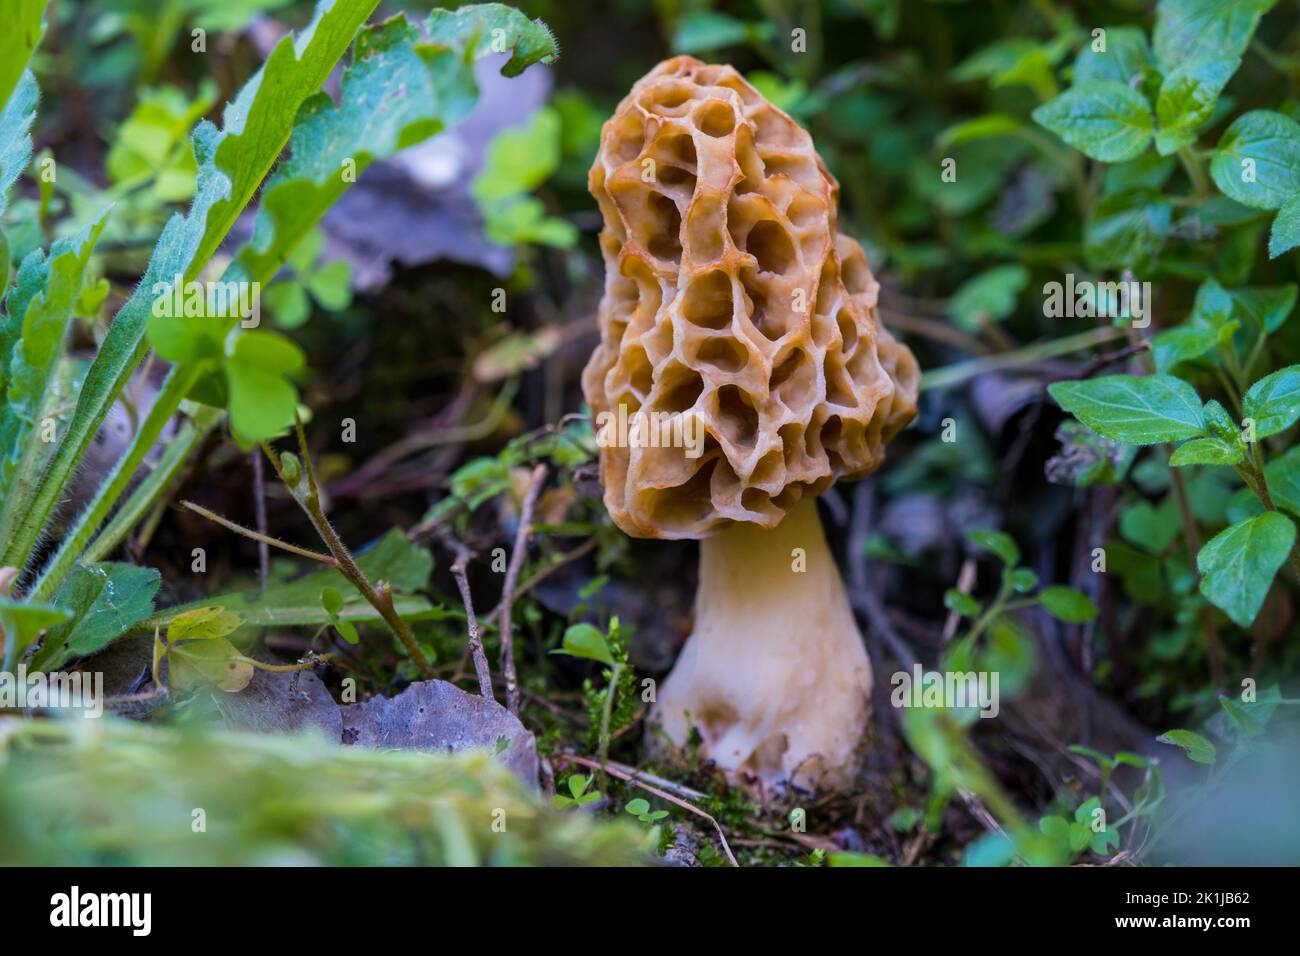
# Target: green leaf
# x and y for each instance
(1196, 29)
(22, 623)
(331, 600)
(287, 301)
(1126, 230)
(203, 624)
(989, 297)
(981, 127)
(1285, 234)
(962, 603)
(1136, 410)
(393, 559)
(212, 661)
(1205, 451)
(479, 30)
(31, 340)
(1257, 161)
(1266, 306)
(331, 285)
(1103, 119)
(22, 31)
(1187, 98)
(1126, 55)
(584, 640)
(105, 601)
(1182, 344)
(1237, 565)
(1150, 528)
(704, 31)
(231, 164)
(1022, 580)
(397, 91)
(1194, 745)
(1283, 477)
(1067, 604)
(518, 160)
(262, 398)
(998, 542)
(16, 117)
(1273, 402)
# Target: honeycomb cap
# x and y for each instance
(733, 310)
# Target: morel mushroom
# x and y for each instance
(735, 310)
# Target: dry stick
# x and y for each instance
(379, 597)
(633, 779)
(475, 640)
(512, 575)
(541, 575)
(259, 508)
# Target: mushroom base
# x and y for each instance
(775, 676)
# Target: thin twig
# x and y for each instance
(542, 574)
(633, 779)
(256, 536)
(259, 508)
(379, 596)
(475, 639)
(522, 533)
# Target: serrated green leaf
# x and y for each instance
(1285, 232)
(1067, 604)
(1187, 98)
(1237, 565)
(105, 601)
(485, 28)
(1283, 477)
(32, 337)
(1273, 403)
(1182, 344)
(231, 164)
(1257, 161)
(1106, 120)
(1127, 54)
(1197, 29)
(1136, 410)
(16, 117)
(1205, 451)
(1193, 744)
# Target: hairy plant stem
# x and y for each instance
(179, 381)
(306, 492)
(151, 490)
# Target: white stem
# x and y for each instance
(775, 676)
